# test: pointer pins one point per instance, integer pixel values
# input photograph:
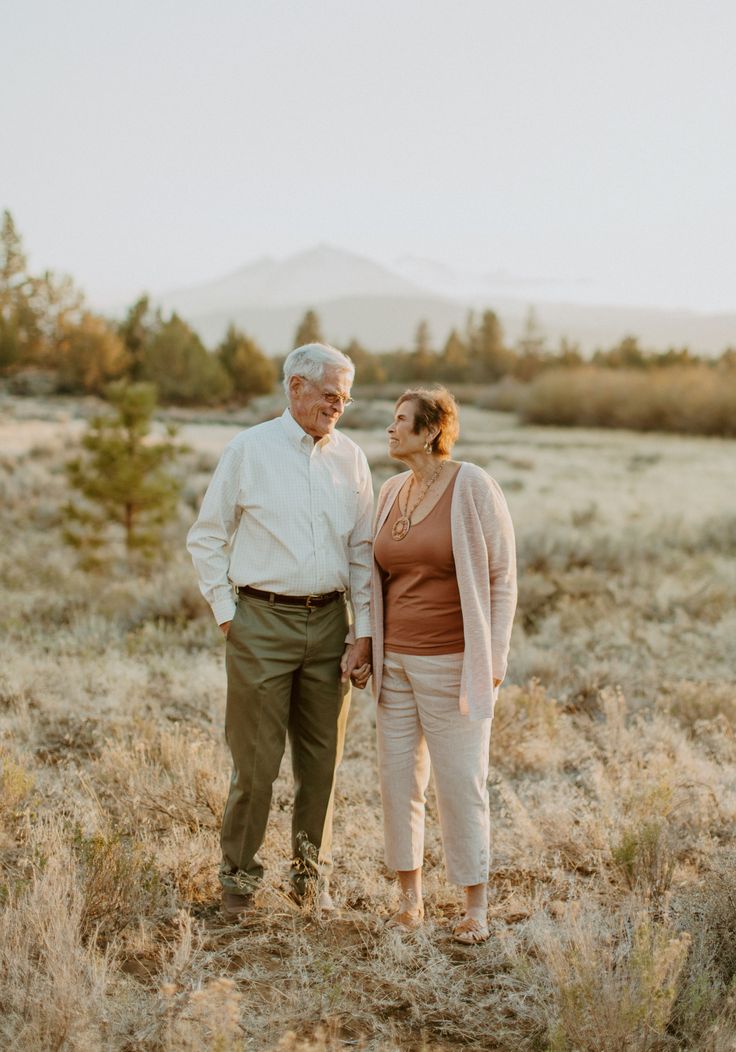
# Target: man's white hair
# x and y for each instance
(311, 360)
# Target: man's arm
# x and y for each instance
(208, 540)
(360, 554)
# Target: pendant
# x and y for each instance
(400, 528)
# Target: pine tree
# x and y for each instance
(368, 367)
(89, 355)
(490, 358)
(454, 362)
(136, 330)
(183, 370)
(423, 359)
(250, 371)
(309, 330)
(123, 483)
(17, 320)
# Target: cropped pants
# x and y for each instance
(419, 726)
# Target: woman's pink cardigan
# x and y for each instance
(485, 564)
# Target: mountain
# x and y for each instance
(358, 298)
(308, 277)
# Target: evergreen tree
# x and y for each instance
(309, 330)
(368, 367)
(17, 320)
(569, 354)
(184, 372)
(123, 482)
(423, 359)
(530, 346)
(57, 304)
(454, 361)
(627, 354)
(490, 358)
(250, 371)
(136, 330)
(90, 354)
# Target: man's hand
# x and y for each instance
(355, 664)
(225, 628)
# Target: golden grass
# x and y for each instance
(613, 791)
(698, 400)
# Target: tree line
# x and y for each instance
(49, 337)
(51, 341)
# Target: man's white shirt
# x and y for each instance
(288, 515)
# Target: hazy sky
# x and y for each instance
(160, 143)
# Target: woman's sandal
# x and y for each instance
(409, 919)
(470, 931)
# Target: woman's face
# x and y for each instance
(402, 442)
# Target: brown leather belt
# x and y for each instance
(309, 601)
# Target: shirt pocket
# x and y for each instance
(345, 507)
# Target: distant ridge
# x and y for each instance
(356, 297)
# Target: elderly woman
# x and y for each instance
(443, 601)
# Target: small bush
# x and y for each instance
(119, 883)
(693, 400)
(611, 989)
(15, 785)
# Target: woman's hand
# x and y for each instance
(360, 676)
(355, 659)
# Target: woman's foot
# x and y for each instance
(471, 929)
(409, 915)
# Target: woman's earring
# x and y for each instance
(427, 447)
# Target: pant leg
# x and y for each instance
(264, 649)
(403, 764)
(459, 749)
(317, 722)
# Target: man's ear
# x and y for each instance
(295, 384)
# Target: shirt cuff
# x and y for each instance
(224, 610)
(362, 625)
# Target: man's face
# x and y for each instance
(317, 407)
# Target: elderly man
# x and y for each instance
(286, 525)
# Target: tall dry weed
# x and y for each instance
(53, 985)
(611, 982)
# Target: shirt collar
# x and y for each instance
(296, 434)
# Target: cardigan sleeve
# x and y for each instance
(499, 536)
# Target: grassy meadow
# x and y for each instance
(613, 780)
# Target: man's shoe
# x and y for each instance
(321, 901)
(325, 902)
(235, 905)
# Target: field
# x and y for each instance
(613, 781)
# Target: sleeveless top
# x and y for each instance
(421, 599)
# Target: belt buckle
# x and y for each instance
(309, 604)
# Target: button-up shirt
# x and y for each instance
(289, 515)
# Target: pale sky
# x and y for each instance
(149, 145)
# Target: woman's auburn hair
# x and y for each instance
(434, 408)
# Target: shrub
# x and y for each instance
(119, 883)
(611, 989)
(693, 400)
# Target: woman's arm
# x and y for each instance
(498, 531)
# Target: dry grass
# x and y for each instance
(698, 400)
(613, 788)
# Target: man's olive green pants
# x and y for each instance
(283, 676)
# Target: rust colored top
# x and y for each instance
(421, 598)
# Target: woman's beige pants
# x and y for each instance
(418, 721)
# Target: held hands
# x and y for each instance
(225, 628)
(355, 663)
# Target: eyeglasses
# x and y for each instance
(333, 397)
(336, 397)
